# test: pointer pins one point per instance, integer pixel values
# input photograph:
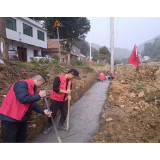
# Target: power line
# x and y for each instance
(136, 28)
(94, 20)
(97, 22)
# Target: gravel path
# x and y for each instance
(84, 117)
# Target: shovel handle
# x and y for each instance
(68, 109)
(46, 103)
(52, 120)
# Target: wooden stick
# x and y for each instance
(52, 120)
(68, 109)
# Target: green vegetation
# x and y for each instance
(36, 67)
(100, 65)
(139, 85)
(55, 57)
(88, 69)
(79, 63)
(152, 50)
(102, 54)
(152, 98)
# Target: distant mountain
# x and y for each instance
(141, 46)
(119, 53)
(96, 46)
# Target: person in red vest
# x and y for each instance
(111, 75)
(17, 106)
(59, 98)
(101, 77)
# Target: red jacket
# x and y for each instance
(60, 96)
(111, 74)
(11, 107)
(101, 76)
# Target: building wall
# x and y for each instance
(20, 37)
(12, 45)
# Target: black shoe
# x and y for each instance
(61, 127)
(47, 130)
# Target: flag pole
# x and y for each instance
(137, 60)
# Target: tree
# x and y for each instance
(3, 39)
(95, 56)
(104, 53)
(83, 45)
(73, 28)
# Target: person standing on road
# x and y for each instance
(59, 98)
(17, 106)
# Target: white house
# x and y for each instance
(146, 58)
(25, 36)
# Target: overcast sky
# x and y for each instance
(128, 31)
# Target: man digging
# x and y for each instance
(17, 106)
(59, 98)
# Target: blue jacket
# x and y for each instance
(22, 95)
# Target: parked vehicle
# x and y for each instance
(37, 58)
(48, 57)
(44, 57)
(13, 55)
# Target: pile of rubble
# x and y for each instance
(132, 110)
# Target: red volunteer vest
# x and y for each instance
(11, 107)
(111, 74)
(60, 96)
(101, 76)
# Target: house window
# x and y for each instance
(40, 35)
(27, 30)
(11, 23)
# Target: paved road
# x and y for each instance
(84, 117)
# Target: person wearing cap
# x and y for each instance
(17, 106)
(59, 98)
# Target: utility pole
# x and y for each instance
(90, 45)
(112, 43)
(59, 45)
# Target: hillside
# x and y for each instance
(119, 53)
(141, 46)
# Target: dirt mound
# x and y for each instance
(131, 112)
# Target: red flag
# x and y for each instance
(134, 59)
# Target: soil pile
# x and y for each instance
(132, 112)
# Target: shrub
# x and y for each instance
(55, 57)
(41, 61)
(88, 69)
(79, 63)
(100, 64)
(55, 61)
(47, 61)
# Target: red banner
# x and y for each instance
(134, 59)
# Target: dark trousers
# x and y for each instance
(55, 105)
(14, 131)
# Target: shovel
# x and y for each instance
(68, 110)
(52, 121)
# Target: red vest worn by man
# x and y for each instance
(101, 76)
(11, 107)
(111, 74)
(60, 96)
